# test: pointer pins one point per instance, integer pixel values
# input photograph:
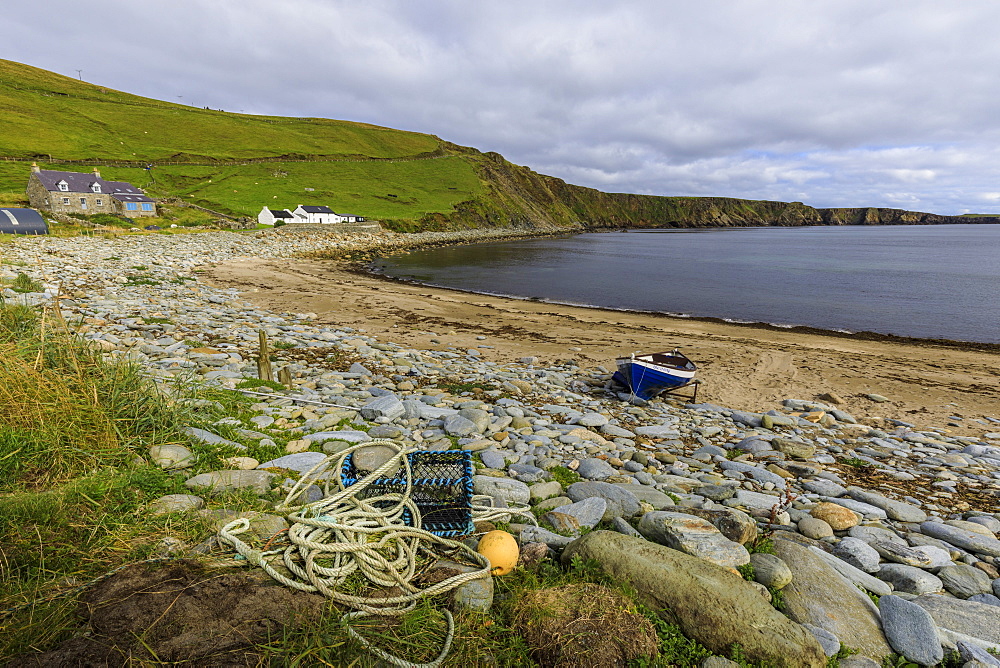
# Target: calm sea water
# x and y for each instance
(940, 282)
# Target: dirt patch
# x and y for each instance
(584, 625)
(178, 613)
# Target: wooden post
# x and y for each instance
(264, 371)
(285, 376)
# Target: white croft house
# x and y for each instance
(272, 216)
(315, 215)
(323, 215)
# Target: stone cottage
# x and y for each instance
(80, 192)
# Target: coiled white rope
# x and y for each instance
(342, 534)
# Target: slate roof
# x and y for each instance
(81, 182)
(123, 197)
(77, 182)
(121, 187)
(280, 213)
(317, 209)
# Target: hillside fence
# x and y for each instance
(142, 164)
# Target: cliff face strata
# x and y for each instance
(518, 197)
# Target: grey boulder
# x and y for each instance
(692, 535)
(968, 540)
(621, 501)
(595, 469)
(910, 630)
(897, 510)
(910, 579)
(964, 581)
(511, 491)
(966, 617)
(387, 406)
(229, 480)
(820, 596)
(710, 604)
(210, 438)
(857, 553)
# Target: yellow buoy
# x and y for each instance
(500, 548)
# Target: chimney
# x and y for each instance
(35, 168)
(97, 174)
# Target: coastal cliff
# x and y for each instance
(516, 196)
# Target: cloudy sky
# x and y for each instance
(829, 102)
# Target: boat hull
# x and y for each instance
(645, 376)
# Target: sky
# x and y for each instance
(828, 102)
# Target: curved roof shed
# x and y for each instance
(22, 221)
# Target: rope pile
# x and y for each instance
(345, 534)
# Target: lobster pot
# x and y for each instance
(441, 487)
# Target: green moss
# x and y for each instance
(761, 544)
(564, 476)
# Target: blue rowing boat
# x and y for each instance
(646, 376)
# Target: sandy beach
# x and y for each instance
(744, 367)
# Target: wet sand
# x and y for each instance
(745, 367)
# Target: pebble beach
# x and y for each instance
(874, 466)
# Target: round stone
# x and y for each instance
(858, 553)
(172, 457)
(176, 503)
(770, 571)
(838, 517)
(244, 463)
(300, 445)
(815, 528)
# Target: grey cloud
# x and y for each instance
(832, 103)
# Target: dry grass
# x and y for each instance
(584, 625)
(65, 410)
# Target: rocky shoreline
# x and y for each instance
(884, 531)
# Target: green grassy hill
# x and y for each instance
(237, 163)
(232, 163)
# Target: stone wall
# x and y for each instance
(71, 202)
(345, 228)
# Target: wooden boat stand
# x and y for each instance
(692, 387)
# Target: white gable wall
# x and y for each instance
(265, 217)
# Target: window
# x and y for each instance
(65, 201)
(99, 201)
(131, 206)
(83, 202)
(147, 206)
(96, 187)
(63, 186)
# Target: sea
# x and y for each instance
(929, 282)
